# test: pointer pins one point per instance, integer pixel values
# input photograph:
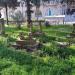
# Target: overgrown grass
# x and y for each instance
(47, 60)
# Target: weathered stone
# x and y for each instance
(37, 33)
(21, 36)
(26, 43)
(62, 45)
(2, 27)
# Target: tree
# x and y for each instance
(70, 6)
(29, 11)
(38, 13)
(37, 4)
(8, 3)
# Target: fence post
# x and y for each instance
(2, 27)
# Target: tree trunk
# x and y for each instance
(6, 14)
(29, 12)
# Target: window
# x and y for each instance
(49, 12)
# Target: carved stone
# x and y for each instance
(26, 43)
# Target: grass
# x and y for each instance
(47, 60)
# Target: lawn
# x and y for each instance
(47, 60)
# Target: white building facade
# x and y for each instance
(53, 11)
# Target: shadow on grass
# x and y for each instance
(30, 62)
(46, 38)
(19, 57)
(72, 51)
(14, 29)
(5, 66)
(56, 51)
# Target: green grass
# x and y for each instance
(47, 60)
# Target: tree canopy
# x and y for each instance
(68, 1)
(37, 2)
(9, 3)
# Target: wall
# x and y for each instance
(55, 8)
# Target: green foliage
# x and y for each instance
(45, 38)
(25, 64)
(47, 60)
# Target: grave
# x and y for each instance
(29, 43)
(2, 27)
(62, 45)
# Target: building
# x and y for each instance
(54, 11)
